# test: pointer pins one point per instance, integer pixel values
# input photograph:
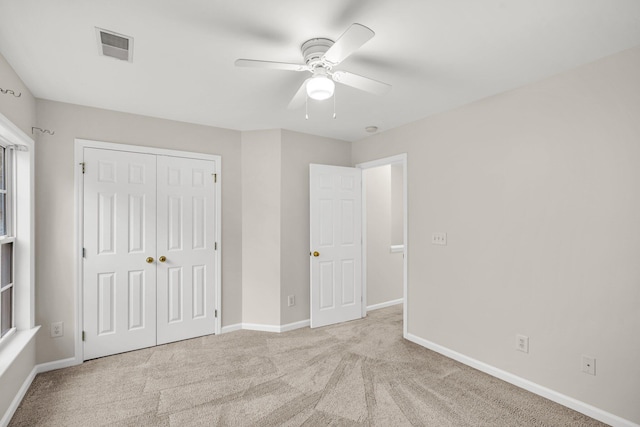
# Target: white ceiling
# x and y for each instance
(437, 54)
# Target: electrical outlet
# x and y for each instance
(588, 365)
(522, 343)
(291, 300)
(439, 239)
(57, 329)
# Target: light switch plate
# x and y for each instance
(439, 239)
(522, 343)
(57, 329)
(588, 364)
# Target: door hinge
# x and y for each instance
(82, 164)
(215, 177)
(215, 246)
(82, 335)
(215, 313)
(84, 252)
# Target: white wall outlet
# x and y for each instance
(439, 239)
(588, 364)
(57, 329)
(522, 343)
(291, 300)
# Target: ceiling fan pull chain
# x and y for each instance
(334, 104)
(306, 108)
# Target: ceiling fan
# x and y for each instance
(321, 55)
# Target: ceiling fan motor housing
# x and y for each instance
(314, 49)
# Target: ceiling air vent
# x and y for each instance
(115, 45)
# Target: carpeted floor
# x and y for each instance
(357, 373)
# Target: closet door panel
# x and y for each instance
(186, 238)
(119, 285)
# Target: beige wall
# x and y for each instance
(55, 286)
(275, 218)
(397, 204)
(21, 111)
(261, 169)
(539, 192)
(298, 151)
(384, 268)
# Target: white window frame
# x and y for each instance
(22, 224)
(9, 236)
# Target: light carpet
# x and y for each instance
(356, 373)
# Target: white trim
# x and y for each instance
(364, 243)
(6, 418)
(385, 304)
(295, 325)
(78, 218)
(218, 210)
(564, 400)
(13, 346)
(24, 256)
(38, 369)
(24, 203)
(397, 159)
(87, 143)
(79, 146)
(57, 364)
(231, 328)
(268, 328)
(396, 248)
(260, 327)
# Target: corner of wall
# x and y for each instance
(21, 110)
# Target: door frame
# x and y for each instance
(79, 146)
(397, 159)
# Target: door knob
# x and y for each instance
(162, 258)
(316, 253)
(150, 259)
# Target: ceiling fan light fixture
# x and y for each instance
(320, 87)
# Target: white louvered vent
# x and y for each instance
(114, 45)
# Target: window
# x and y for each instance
(7, 239)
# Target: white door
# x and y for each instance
(336, 244)
(119, 282)
(186, 248)
(149, 260)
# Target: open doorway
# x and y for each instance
(384, 226)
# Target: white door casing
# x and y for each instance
(336, 238)
(186, 237)
(119, 285)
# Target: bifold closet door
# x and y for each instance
(149, 262)
(119, 271)
(186, 248)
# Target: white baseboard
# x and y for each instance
(18, 397)
(385, 304)
(276, 328)
(57, 364)
(295, 325)
(564, 400)
(43, 367)
(260, 327)
(231, 328)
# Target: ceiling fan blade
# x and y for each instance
(300, 97)
(355, 36)
(359, 82)
(254, 63)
